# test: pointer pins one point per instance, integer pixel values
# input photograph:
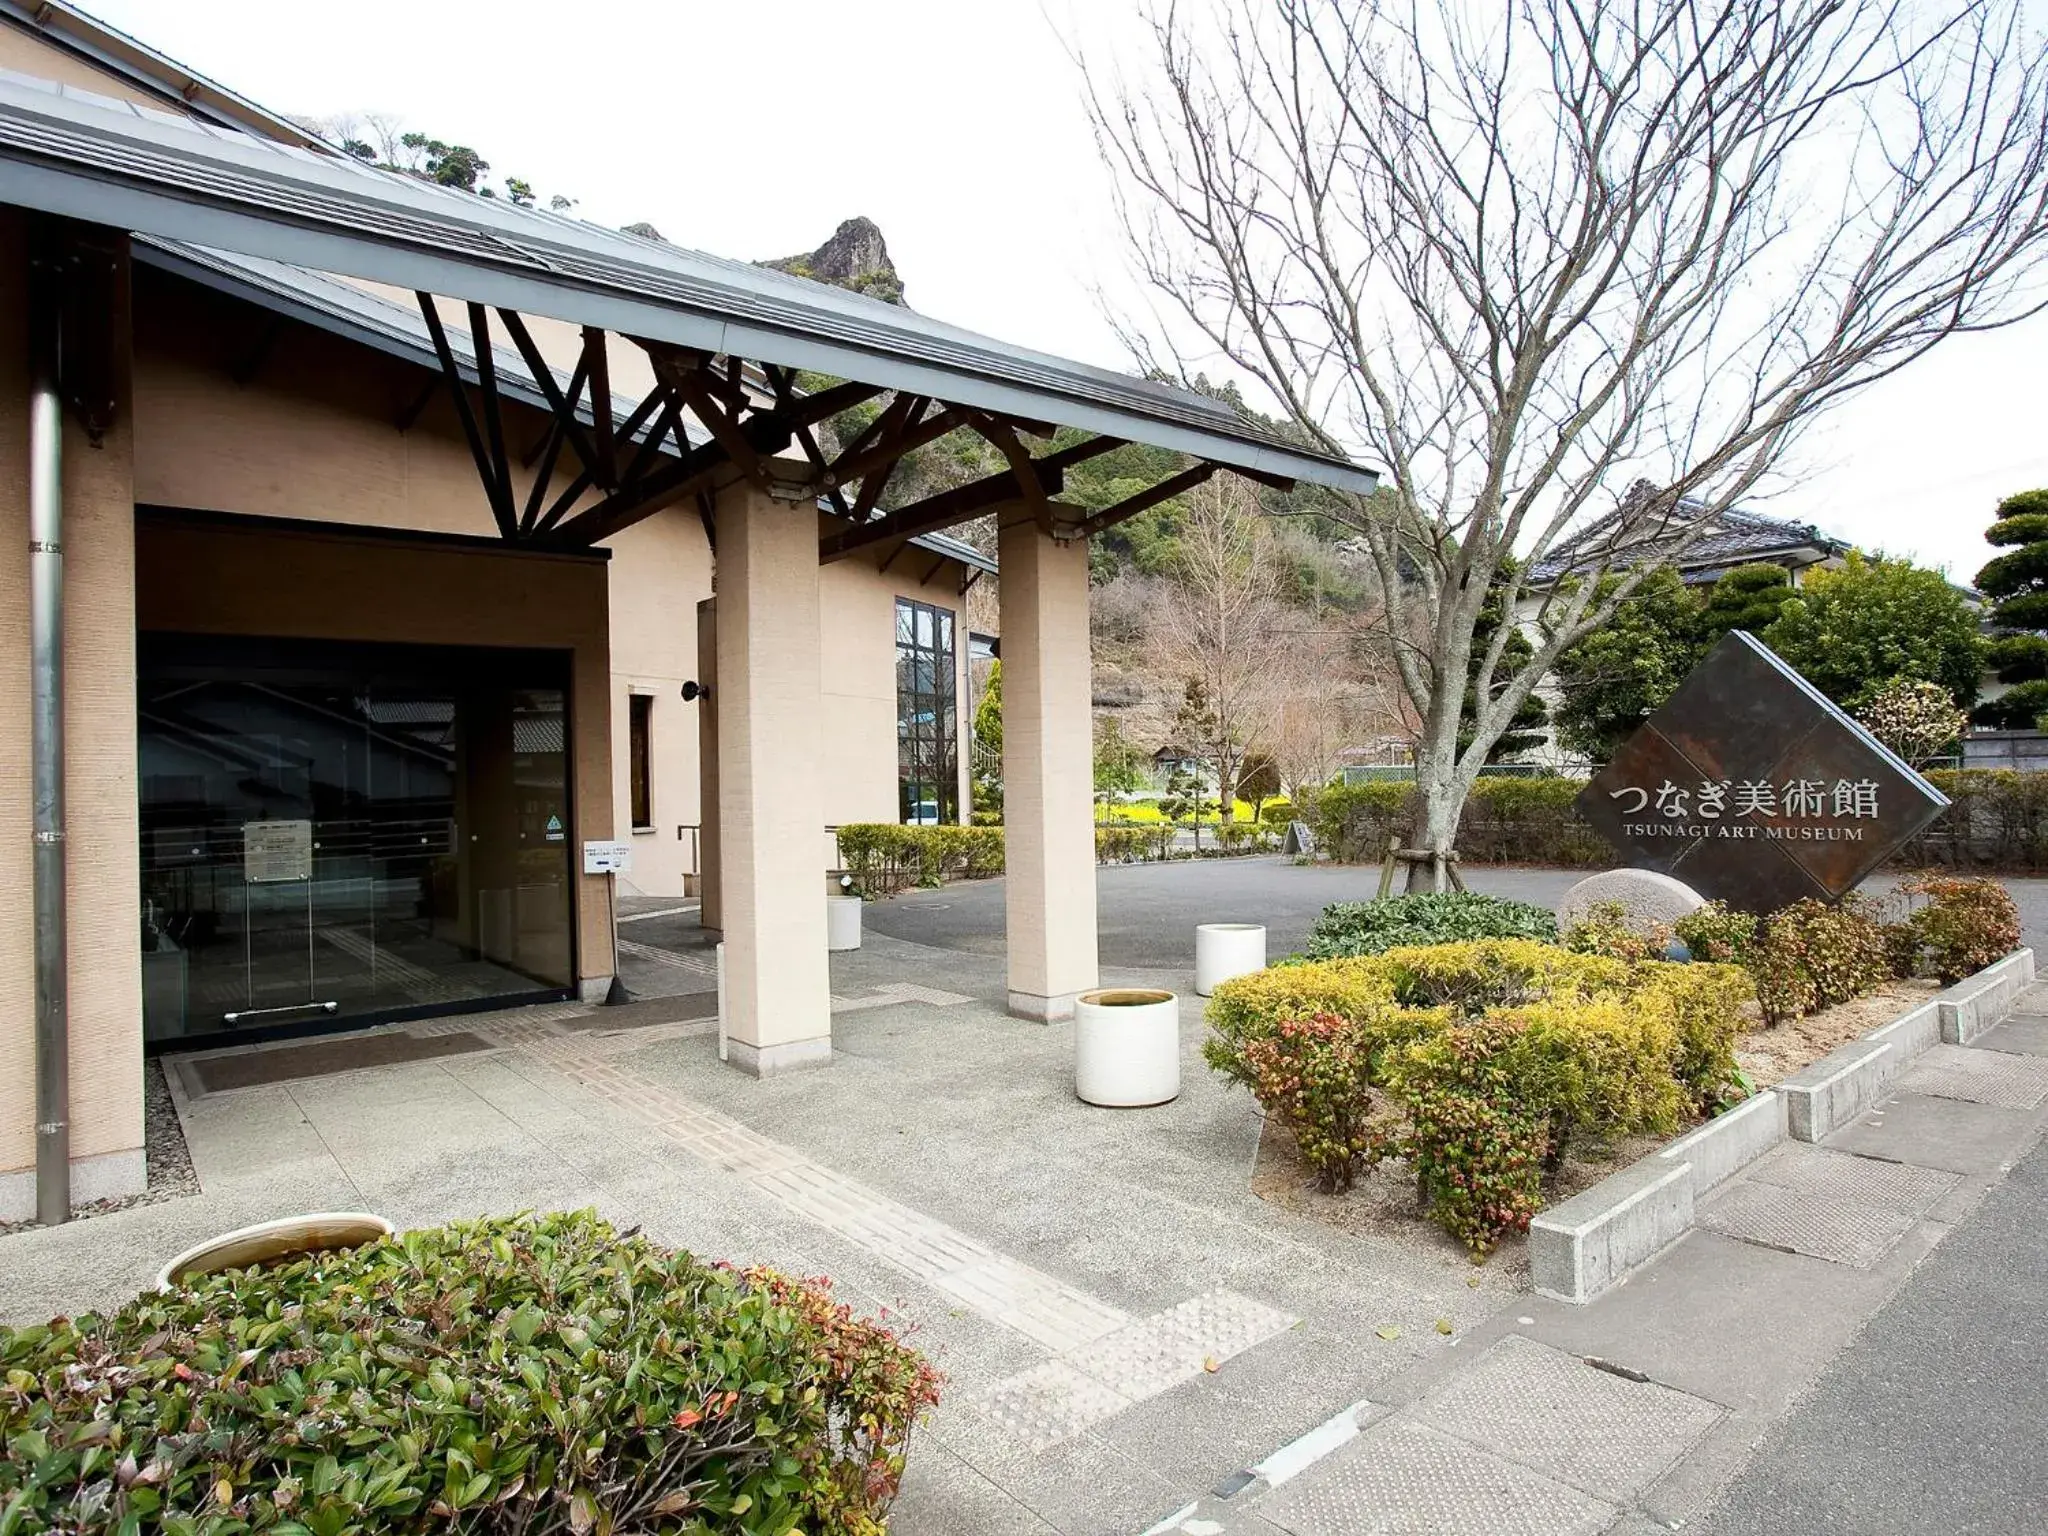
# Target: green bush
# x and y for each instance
(1502, 1052)
(1606, 929)
(1314, 1074)
(1370, 927)
(1811, 956)
(1961, 927)
(883, 858)
(1717, 932)
(531, 1374)
(1477, 1154)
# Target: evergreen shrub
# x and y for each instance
(520, 1375)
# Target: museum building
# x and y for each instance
(368, 534)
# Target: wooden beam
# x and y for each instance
(494, 420)
(940, 511)
(563, 407)
(901, 415)
(854, 465)
(690, 385)
(668, 482)
(1131, 506)
(463, 413)
(598, 364)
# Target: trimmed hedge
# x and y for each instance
(1369, 927)
(1502, 1053)
(884, 858)
(522, 1375)
(1506, 821)
(1999, 821)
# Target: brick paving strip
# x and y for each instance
(1104, 1360)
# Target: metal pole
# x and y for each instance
(46, 743)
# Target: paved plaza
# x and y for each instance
(1132, 1340)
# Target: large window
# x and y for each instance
(640, 718)
(927, 777)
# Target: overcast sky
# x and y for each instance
(752, 129)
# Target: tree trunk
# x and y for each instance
(1439, 801)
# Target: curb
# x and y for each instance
(1975, 1003)
(1595, 1240)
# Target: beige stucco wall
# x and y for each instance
(858, 689)
(29, 55)
(105, 969)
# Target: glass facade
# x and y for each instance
(335, 832)
(927, 733)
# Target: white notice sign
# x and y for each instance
(607, 858)
(277, 850)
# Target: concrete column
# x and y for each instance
(771, 883)
(1048, 772)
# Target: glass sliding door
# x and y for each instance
(342, 832)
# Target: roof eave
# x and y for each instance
(132, 204)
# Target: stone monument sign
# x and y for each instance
(1754, 789)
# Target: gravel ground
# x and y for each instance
(170, 1164)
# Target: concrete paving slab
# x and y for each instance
(1930, 1132)
(1549, 1410)
(1773, 1217)
(2019, 1035)
(1838, 1176)
(1981, 1076)
(1406, 1479)
(943, 1493)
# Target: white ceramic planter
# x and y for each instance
(1127, 1047)
(268, 1242)
(1224, 950)
(842, 922)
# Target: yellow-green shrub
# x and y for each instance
(1499, 1050)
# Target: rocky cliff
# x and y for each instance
(856, 258)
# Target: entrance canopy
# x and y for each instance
(700, 318)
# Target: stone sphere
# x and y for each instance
(1644, 896)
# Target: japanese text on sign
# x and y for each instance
(1719, 807)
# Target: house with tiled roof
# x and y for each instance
(1624, 539)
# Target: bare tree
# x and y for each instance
(1525, 252)
(1224, 627)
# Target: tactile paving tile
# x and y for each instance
(1842, 1233)
(1982, 1077)
(1406, 1479)
(1049, 1403)
(1843, 1176)
(1146, 1357)
(702, 965)
(1549, 1410)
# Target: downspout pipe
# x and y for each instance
(46, 738)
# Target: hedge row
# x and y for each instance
(884, 858)
(1502, 1054)
(1999, 821)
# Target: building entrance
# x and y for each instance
(338, 833)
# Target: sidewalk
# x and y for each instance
(1634, 1413)
(1126, 1330)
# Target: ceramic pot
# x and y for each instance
(271, 1242)
(1127, 1047)
(1224, 950)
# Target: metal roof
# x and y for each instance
(73, 31)
(342, 309)
(109, 162)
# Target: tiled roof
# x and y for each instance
(1737, 538)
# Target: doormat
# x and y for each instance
(321, 1058)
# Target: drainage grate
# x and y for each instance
(1409, 1478)
(1549, 1410)
(284, 1064)
(1856, 1235)
(1982, 1077)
